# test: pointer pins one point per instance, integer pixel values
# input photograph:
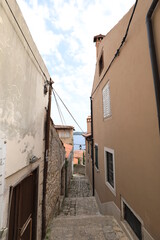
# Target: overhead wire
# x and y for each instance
(60, 113)
(44, 75)
(118, 50)
(59, 110)
(67, 109)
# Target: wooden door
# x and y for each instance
(23, 209)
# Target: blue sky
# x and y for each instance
(63, 31)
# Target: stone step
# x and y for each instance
(79, 187)
(80, 218)
(79, 206)
(97, 227)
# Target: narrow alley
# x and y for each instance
(80, 218)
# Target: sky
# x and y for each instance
(63, 31)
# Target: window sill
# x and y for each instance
(107, 118)
(113, 190)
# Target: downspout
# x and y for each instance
(66, 176)
(153, 56)
(92, 142)
(46, 152)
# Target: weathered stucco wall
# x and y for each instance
(132, 130)
(21, 115)
(56, 162)
(22, 103)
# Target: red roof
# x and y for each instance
(68, 149)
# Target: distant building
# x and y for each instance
(65, 133)
(78, 156)
(126, 122)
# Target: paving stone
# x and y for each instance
(80, 218)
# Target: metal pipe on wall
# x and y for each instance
(92, 150)
(153, 56)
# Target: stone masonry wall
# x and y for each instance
(55, 163)
(80, 169)
(69, 165)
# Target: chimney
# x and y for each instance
(97, 39)
(89, 124)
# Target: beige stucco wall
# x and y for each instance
(132, 130)
(22, 102)
(88, 162)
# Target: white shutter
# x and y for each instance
(106, 101)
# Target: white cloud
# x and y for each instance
(63, 32)
(36, 17)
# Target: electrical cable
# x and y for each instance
(118, 50)
(68, 110)
(59, 110)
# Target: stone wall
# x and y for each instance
(69, 169)
(55, 164)
(80, 169)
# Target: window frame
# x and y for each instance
(128, 227)
(106, 100)
(96, 162)
(112, 189)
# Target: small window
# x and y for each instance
(96, 156)
(132, 220)
(110, 169)
(106, 101)
(64, 134)
(101, 64)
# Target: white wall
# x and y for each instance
(22, 101)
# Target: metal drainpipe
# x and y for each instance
(153, 56)
(45, 170)
(92, 152)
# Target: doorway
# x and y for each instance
(23, 209)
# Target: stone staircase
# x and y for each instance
(80, 218)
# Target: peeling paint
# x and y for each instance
(22, 104)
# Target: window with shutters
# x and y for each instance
(110, 169)
(106, 101)
(96, 156)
